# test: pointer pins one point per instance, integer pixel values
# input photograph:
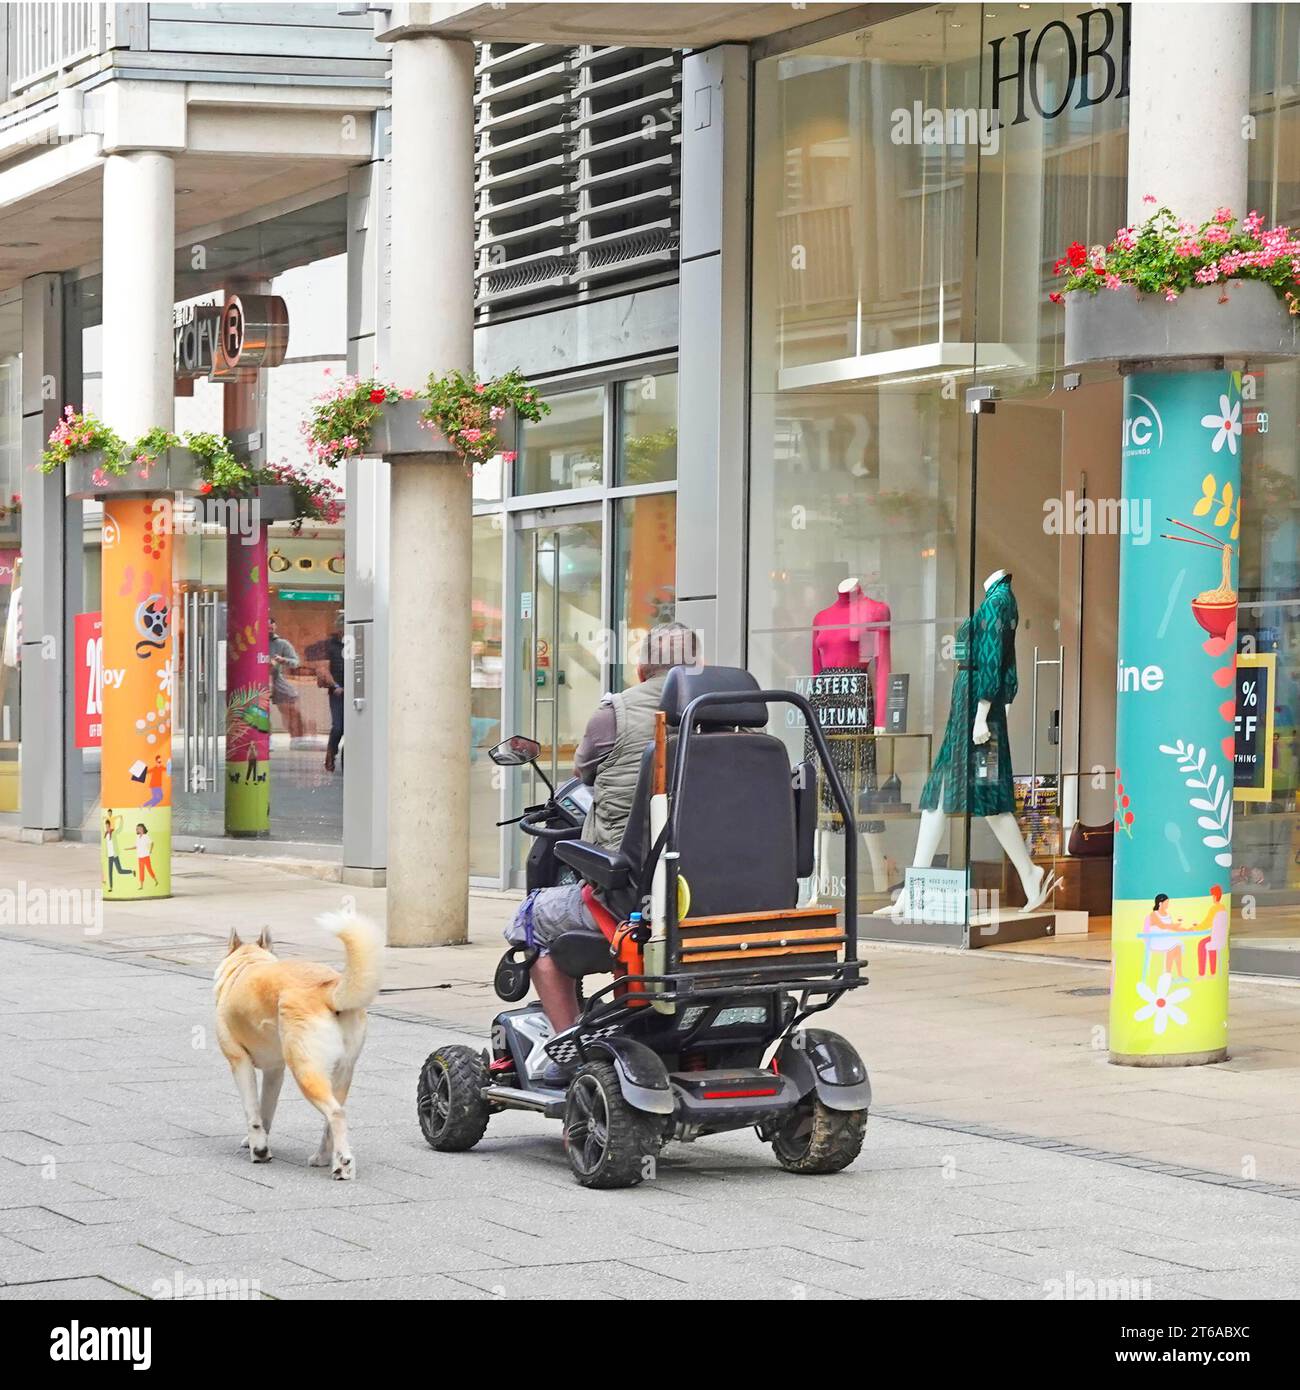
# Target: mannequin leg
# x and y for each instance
(874, 841)
(1033, 877)
(928, 839)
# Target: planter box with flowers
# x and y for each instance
(1165, 290)
(97, 463)
(275, 502)
(456, 417)
(91, 474)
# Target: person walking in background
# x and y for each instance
(333, 683)
(285, 698)
(144, 853)
(112, 853)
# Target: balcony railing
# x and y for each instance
(48, 39)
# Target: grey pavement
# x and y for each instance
(121, 1177)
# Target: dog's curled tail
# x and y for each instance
(363, 945)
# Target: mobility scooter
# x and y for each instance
(715, 967)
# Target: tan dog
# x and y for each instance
(272, 1013)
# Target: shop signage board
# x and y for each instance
(934, 896)
(217, 340)
(88, 679)
(1253, 760)
(896, 703)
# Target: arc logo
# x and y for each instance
(1144, 426)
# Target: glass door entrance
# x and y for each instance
(562, 630)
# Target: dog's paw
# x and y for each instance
(344, 1169)
(262, 1155)
(243, 1143)
(319, 1160)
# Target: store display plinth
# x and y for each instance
(1005, 925)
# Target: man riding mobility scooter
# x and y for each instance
(715, 967)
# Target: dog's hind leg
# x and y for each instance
(271, 1082)
(316, 1087)
(246, 1080)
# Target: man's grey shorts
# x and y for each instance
(554, 910)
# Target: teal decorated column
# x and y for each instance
(1174, 717)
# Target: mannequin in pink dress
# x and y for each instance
(852, 636)
(853, 630)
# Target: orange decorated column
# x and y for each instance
(138, 384)
(135, 777)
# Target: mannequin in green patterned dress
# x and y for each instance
(972, 772)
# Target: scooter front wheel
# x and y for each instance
(608, 1142)
(449, 1098)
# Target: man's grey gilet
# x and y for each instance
(634, 717)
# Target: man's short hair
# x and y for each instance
(667, 645)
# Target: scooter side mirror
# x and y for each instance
(516, 751)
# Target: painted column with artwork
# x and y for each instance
(139, 232)
(1175, 712)
(248, 684)
(135, 778)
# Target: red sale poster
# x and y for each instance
(88, 666)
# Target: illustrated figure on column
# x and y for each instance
(972, 770)
(850, 639)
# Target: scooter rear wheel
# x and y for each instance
(449, 1099)
(817, 1139)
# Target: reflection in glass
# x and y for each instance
(564, 449)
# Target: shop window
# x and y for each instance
(647, 430)
(645, 575)
(486, 673)
(565, 449)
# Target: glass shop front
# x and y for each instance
(933, 547)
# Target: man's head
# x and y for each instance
(275, 632)
(667, 645)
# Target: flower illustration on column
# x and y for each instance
(1161, 1003)
(1123, 813)
(1226, 425)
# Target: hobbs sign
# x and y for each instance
(223, 342)
(1095, 62)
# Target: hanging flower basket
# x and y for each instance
(89, 475)
(275, 502)
(456, 415)
(1251, 323)
(1166, 289)
(400, 431)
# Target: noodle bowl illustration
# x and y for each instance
(1214, 609)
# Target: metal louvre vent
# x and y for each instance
(577, 172)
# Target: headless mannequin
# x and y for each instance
(1037, 883)
(846, 649)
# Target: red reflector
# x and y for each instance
(735, 1095)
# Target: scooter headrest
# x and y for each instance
(684, 683)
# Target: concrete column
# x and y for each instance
(1189, 90)
(365, 711)
(1189, 87)
(430, 536)
(45, 665)
(713, 321)
(139, 290)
